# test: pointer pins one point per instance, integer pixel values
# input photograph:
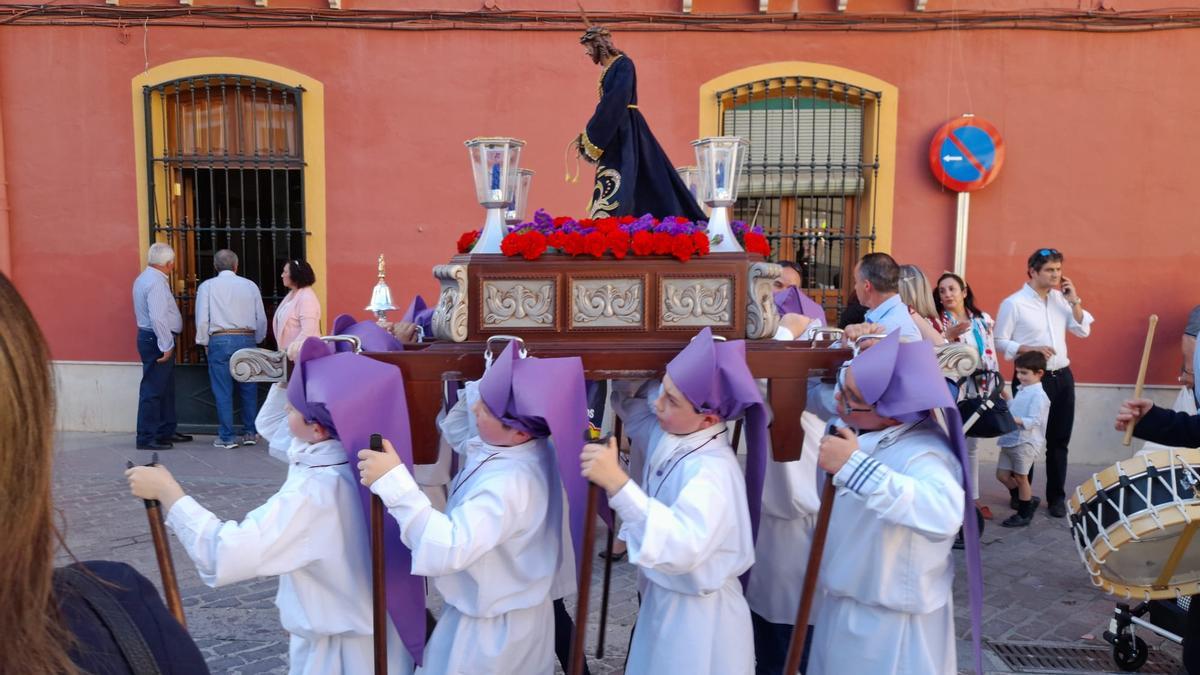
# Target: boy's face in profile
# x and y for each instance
(676, 414)
(1026, 376)
(309, 432)
(494, 432)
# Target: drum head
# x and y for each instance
(1137, 525)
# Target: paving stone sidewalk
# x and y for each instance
(1035, 587)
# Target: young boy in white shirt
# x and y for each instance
(494, 554)
(1019, 448)
(311, 533)
(688, 524)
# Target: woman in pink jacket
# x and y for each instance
(299, 315)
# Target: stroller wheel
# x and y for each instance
(1130, 652)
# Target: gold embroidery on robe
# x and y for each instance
(608, 182)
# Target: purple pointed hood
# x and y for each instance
(545, 397)
(355, 396)
(903, 381)
(421, 315)
(715, 378)
(792, 300)
(374, 338)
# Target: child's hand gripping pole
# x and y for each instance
(162, 551)
(587, 552)
(378, 582)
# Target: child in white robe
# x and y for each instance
(887, 572)
(495, 553)
(687, 525)
(311, 534)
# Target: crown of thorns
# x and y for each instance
(595, 33)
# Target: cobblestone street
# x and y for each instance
(1035, 587)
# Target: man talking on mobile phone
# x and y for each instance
(1037, 318)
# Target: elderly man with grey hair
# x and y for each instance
(230, 316)
(158, 323)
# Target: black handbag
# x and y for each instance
(981, 395)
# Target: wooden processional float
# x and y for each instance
(625, 319)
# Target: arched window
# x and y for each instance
(225, 169)
(811, 175)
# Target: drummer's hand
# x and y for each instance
(1132, 411)
(154, 482)
(796, 324)
(599, 464)
(404, 331)
(835, 450)
(373, 463)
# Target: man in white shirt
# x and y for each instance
(158, 322)
(877, 284)
(230, 316)
(1037, 318)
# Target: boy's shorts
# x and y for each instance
(1017, 459)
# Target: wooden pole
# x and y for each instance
(800, 630)
(1141, 377)
(378, 578)
(162, 551)
(608, 563)
(579, 639)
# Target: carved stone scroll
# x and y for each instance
(695, 302)
(607, 303)
(762, 319)
(252, 364)
(957, 359)
(450, 315)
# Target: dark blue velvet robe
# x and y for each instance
(633, 174)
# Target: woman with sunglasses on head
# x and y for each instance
(964, 322)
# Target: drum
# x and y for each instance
(1134, 525)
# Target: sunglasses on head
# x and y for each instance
(1047, 252)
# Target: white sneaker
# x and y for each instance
(252, 439)
(228, 445)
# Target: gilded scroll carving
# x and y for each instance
(450, 315)
(258, 365)
(695, 302)
(762, 318)
(515, 303)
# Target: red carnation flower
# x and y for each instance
(756, 243)
(512, 244)
(618, 243)
(557, 239)
(535, 245)
(467, 240)
(625, 220)
(663, 243)
(594, 244)
(573, 245)
(562, 220)
(682, 248)
(642, 243)
(700, 241)
(606, 225)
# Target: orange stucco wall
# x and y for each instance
(1099, 131)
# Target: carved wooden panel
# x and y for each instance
(695, 301)
(608, 303)
(517, 303)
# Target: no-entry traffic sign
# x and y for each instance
(966, 154)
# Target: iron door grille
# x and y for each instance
(225, 169)
(810, 175)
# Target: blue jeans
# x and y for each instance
(220, 349)
(156, 395)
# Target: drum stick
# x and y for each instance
(378, 582)
(162, 551)
(1141, 377)
(585, 581)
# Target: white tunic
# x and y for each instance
(272, 423)
(312, 535)
(688, 531)
(790, 502)
(887, 573)
(492, 556)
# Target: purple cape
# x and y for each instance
(355, 396)
(792, 300)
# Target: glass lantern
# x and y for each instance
(515, 213)
(720, 160)
(495, 164)
(690, 175)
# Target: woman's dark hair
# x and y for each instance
(302, 273)
(968, 295)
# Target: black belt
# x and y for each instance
(234, 331)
